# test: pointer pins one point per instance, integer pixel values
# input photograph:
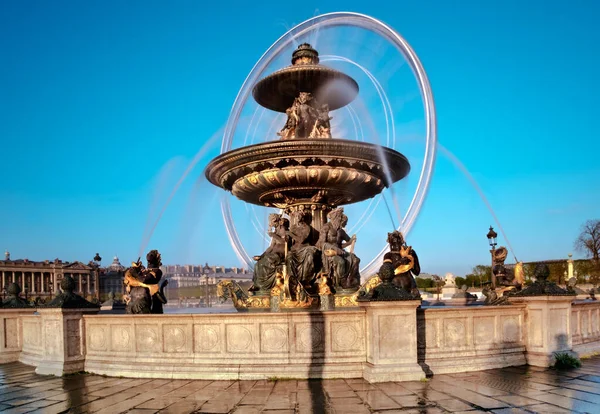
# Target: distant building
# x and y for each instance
(197, 275)
(111, 278)
(42, 279)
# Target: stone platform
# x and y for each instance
(507, 390)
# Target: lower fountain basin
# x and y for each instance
(324, 171)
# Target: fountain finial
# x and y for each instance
(305, 55)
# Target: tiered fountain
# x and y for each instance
(308, 174)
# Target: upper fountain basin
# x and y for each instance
(320, 171)
(329, 86)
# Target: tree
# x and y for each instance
(459, 281)
(588, 240)
(481, 273)
(423, 283)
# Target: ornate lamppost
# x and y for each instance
(492, 240)
(207, 298)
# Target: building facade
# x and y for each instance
(197, 275)
(111, 279)
(42, 279)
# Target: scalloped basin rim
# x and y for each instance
(310, 152)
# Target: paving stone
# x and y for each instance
(454, 405)
(248, 409)
(546, 408)
(159, 403)
(517, 400)
(377, 400)
(410, 401)
(393, 388)
(510, 411)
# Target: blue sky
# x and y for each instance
(103, 104)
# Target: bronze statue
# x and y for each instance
(387, 290)
(322, 127)
(138, 297)
(510, 278)
(267, 264)
(301, 258)
(145, 293)
(340, 265)
(289, 130)
(68, 298)
(153, 276)
(13, 300)
(401, 255)
(306, 113)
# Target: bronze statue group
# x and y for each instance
(305, 258)
(144, 286)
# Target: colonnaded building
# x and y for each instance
(42, 279)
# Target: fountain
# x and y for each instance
(309, 174)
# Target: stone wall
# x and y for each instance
(32, 340)
(11, 333)
(227, 346)
(379, 341)
(457, 339)
(585, 327)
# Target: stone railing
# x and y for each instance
(378, 341)
(11, 333)
(585, 327)
(227, 346)
(456, 339)
(33, 350)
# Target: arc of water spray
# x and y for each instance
(190, 167)
(470, 177)
(347, 19)
(387, 109)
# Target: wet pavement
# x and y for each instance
(508, 390)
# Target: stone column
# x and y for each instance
(548, 327)
(42, 288)
(14, 277)
(62, 340)
(392, 341)
(89, 287)
(32, 290)
(22, 282)
(3, 279)
(79, 284)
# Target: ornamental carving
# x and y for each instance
(97, 335)
(239, 338)
(345, 337)
(455, 333)
(175, 338)
(206, 338)
(120, 338)
(274, 338)
(147, 338)
(309, 337)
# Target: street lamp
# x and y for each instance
(207, 298)
(492, 240)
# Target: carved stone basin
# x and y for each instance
(330, 172)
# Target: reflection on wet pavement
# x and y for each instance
(508, 390)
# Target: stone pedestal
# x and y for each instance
(11, 333)
(392, 341)
(62, 340)
(449, 291)
(548, 322)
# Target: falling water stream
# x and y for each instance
(467, 174)
(207, 145)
